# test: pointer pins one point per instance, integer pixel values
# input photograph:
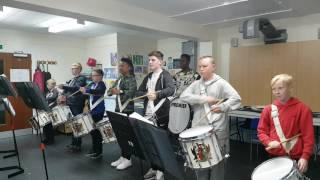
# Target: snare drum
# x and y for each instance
(43, 119)
(179, 116)
(82, 124)
(279, 168)
(105, 128)
(61, 114)
(200, 146)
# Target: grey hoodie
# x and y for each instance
(217, 88)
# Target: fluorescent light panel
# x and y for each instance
(65, 26)
(226, 3)
(247, 17)
(5, 11)
(54, 21)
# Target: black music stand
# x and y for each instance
(124, 132)
(156, 147)
(6, 89)
(34, 98)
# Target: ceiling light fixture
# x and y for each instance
(226, 3)
(247, 17)
(54, 21)
(5, 11)
(65, 26)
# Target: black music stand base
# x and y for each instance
(20, 170)
(13, 153)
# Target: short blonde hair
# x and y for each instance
(76, 65)
(285, 78)
(212, 60)
(51, 82)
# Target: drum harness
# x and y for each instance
(287, 144)
(203, 91)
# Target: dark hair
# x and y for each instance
(99, 71)
(187, 56)
(129, 62)
(157, 54)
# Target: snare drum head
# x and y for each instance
(277, 168)
(179, 116)
(195, 132)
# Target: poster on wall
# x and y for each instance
(137, 60)
(114, 59)
(138, 69)
(176, 64)
(110, 73)
(145, 70)
(170, 63)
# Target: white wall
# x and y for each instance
(171, 47)
(133, 44)
(64, 50)
(298, 29)
(205, 48)
(100, 48)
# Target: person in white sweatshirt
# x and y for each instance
(203, 95)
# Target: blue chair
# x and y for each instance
(250, 128)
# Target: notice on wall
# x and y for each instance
(19, 75)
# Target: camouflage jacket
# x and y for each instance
(128, 86)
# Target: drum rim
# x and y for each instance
(211, 129)
(282, 157)
(194, 138)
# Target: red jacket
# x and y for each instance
(295, 117)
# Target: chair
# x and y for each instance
(234, 128)
(250, 128)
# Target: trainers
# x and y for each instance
(96, 156)
(150, 174)
(117, 162)
(159, 175)
(90, 153)
(125, 163)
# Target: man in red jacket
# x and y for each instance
(285, 119)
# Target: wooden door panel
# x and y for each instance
(23, 113)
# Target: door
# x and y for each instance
(23, 113)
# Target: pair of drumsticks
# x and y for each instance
(219, 102)
(284, 141)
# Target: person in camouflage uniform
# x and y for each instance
(186, 76)
(124, 88)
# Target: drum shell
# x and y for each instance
(201, 151)
(105, 128)
(82, 124)
(179, 116)
(61, 115)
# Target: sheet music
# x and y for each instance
(141, 118)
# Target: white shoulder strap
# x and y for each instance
(287, 145)
(205, 105)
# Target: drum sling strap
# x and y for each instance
(124, 105)
(92, 106)
(211, 117)
(287, 145)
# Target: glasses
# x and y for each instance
(95, 75)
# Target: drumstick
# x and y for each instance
(268, 148)
(219, 102)
(76, 92)
(139, 97)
